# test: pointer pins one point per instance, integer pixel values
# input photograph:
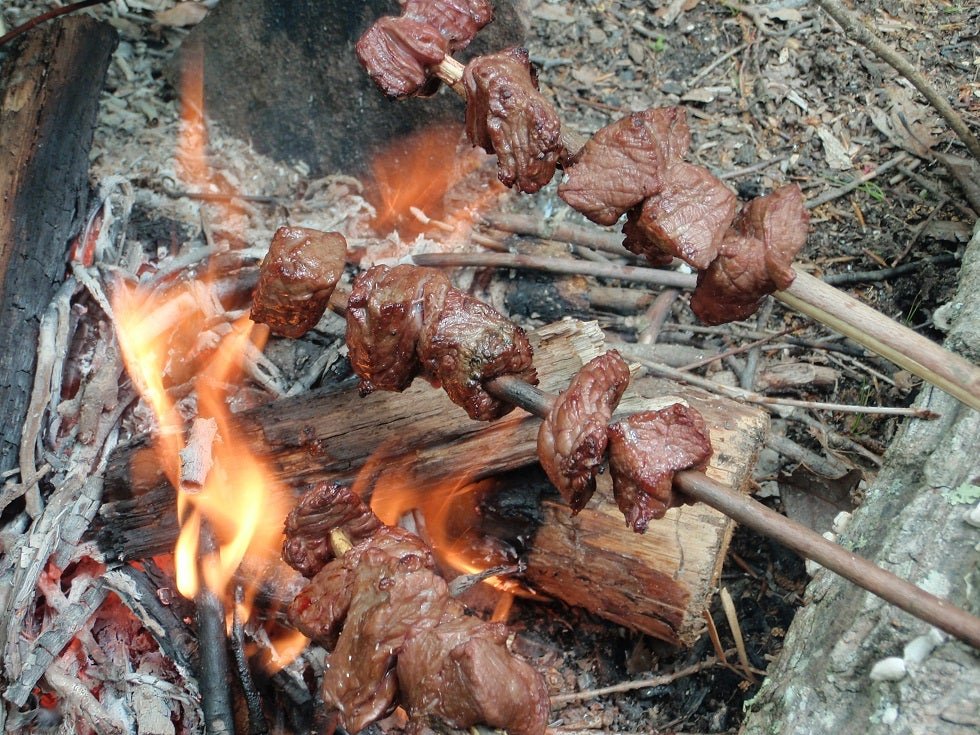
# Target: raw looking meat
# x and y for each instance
(296, 279)
(385, 313)
(645, 450)
(624, 163)
(382, 600)
(687, 218)
(397, 53)
(506, 115)
(573, 436)
(755, 258)
(469, 343)
(457, 21)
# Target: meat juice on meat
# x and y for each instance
(506, 115)
(573, 436)
(296, 278)
(646, 450)
(624, 163)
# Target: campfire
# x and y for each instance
(284, 471)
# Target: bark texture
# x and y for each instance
(50, 97)
(914, 523)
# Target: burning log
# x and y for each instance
(51, 85)
(658, 583)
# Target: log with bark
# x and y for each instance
(658, 583)
(848, 657)
(51, 84)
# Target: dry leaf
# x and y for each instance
(834, 151)
(906, 123)
(181, 14)
(814, 500)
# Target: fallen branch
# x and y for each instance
(629, 686)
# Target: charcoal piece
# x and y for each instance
(457, 21)
(296, 278)
(688, 218)
(397, 54)
(324, 508)
(624, 163)
(506, 115)
(385, 313)
(469, 343)
(572, 438)
(460, 673)
(645, 450)
(755, 258)
(391, 596)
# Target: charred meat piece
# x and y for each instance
(755, 258)
(637, 241)
(645, 450)
(572, 438)
(324, 508)
(296, 278)
(457, 21)
(624, 163)
(469, 343)
(461, 673)
(385, 313)
(393, 593)
(397, 53)
(506, 115)
(688, 217)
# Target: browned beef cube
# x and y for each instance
(456, 20)
(296, 278)
(645, 450)
(397, 53)
(385, 313)
(469, 343)
(460, 673)
(637, 241)
(624, 163)
(572, 438)
(324, 508)
(506, 115)
(755, 258)
(688, 217)
(392, 596)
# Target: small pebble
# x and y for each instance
(973, 517)
(888, 669)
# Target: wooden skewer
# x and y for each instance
(743, 509)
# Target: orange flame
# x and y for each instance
(235, 504)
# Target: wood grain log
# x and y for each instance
(51, 86)
(658, 582)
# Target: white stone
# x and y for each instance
(889, 716)
(918, 649)
(841, 521)
(973, 516)
(889, 669)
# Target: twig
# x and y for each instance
(743, 509)
(884, 274)
(656, 316)
(213, 651)
(752, 397)
(858, 32)
(629, 686)
(737, 350)
(826, 466)
(257, 724)
(847, 188)
(75, 694)
(934, 189)
(731, 615)
(590, 237)
(49, 15)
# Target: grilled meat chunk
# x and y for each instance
(624, 163)
(296, 278)
(385, 314)
(506, 115)
(457, 21)
(645, 450)
(469, 343)
(572, 438)
(687, 218)
(461, 673)
(755, 258)
(397, 53)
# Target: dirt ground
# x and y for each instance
(775, 93)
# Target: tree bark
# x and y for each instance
(51, 85)
(914, 523)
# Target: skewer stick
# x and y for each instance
(835, 309)
(743, 509)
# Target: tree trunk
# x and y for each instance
(914, 523)
(51, 85)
